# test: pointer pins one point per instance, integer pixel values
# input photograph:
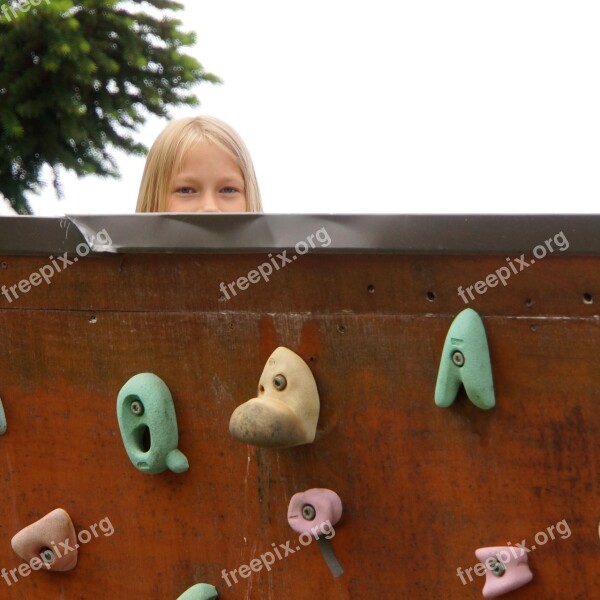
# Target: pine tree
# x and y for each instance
(77, 80)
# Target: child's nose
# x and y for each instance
(210, 203)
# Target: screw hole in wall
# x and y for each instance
(371, 289)
(588, 298)
(341, 328)
(431, 296)
(528, 302)
(533, 328)
(4, 265)
(93, 319)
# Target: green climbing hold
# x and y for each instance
(148, 425)
(200, 591)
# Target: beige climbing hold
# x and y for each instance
(286, 411)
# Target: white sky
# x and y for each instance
(421, 106)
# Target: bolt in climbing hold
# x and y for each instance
(458, 358)
(47, 556)
(279, 382)
(137, 408)
(309, 512)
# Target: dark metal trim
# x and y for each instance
(258, 233)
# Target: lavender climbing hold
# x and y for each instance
(314, 513)
(506, 569)
(309, 510)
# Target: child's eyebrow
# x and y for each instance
(231, 176)
(229, 180)
(191, 178)
(191, 175)
(237, 183)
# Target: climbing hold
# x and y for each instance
(49, 543)
(148, 425)
(466, 360)
(200, 591)
(308, 510)
(506, 569)
(286, 411)
(314, 513)
(2, 419)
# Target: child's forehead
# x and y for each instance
(205, 147)
(206, 154)
(198, 144)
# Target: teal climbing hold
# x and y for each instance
(148, 425)
(466, 360)
(2, 419)
(200, 591)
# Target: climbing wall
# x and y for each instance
(422, 486)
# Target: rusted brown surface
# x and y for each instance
(422, 487)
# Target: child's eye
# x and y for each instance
(185, 190)
(229, 190)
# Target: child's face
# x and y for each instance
(210, 180)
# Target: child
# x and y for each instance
(199, 164)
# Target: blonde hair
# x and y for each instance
(168, 151)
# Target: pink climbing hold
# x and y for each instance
(506, 569)
(311, 509)
(49, 543)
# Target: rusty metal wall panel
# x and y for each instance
(422, 486)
